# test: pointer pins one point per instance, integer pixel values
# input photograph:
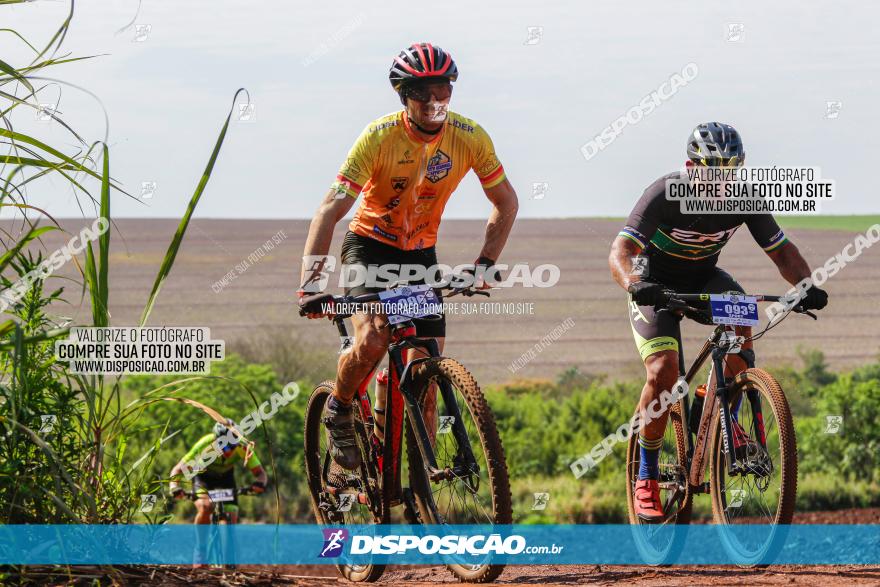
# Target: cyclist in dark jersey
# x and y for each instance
(682, 253)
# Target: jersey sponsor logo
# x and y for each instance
(695, 238)
(438, 166)
(384, 234)
(383, 125)
(387, 219)
(489, 165)
(427, 193)
(392, 204)
(419, 227)
(406, 158)
(422, 208)
(696, 252)
(659, 344)
(465, 127)
(350, 168)
(398, 184)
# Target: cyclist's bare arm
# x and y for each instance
(175, 475)
(333, 208)
(506, 205)
(791, 264)
(620, 261)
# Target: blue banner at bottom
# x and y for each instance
(441, 544)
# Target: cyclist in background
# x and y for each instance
(406, 164)
(219, 474)
(682, 252)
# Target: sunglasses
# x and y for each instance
(424, 93)
(719, 161)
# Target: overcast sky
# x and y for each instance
(317, 74)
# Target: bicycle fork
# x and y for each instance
(464, 458)
(718, 398)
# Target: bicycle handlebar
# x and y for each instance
(674, 300)
(191, 495)
(314, 302)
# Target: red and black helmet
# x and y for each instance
(421, 61)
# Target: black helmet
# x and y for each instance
(421, 61)
(714, 144)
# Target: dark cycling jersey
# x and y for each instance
(685, 247)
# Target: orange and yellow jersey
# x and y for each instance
(406, 181)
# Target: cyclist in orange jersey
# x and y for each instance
(405, 165)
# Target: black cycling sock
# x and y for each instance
(338, 406)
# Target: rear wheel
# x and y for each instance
(476, 489)
(337, 494)
(755, 504)
(661, 543)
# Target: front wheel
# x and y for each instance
(476, 489)
(755, 503)
(337, 494)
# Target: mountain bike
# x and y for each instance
(755, 485)
(221, 545)
(457, 473)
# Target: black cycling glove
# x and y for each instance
(645, 293)
(815, 299)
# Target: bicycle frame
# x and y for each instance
(697, 448)
(401, 397)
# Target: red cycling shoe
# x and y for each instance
(647, 501)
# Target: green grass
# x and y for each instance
(854, 223)
(851, 223)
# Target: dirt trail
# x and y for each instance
(314, 575)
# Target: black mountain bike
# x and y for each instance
(221, 546)
(755, 485)
(456, 467)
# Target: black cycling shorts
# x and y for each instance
(657, 331)
(365, 251)
(207, 480)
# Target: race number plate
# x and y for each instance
(221, 495)
(405, 303)
(733, 309)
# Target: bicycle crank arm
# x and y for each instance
(361, 496)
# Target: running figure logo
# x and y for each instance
(334, 540)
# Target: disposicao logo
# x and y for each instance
(334, 541)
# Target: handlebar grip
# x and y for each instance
(312, 304)
(664, 297)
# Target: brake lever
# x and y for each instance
(800, 310)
